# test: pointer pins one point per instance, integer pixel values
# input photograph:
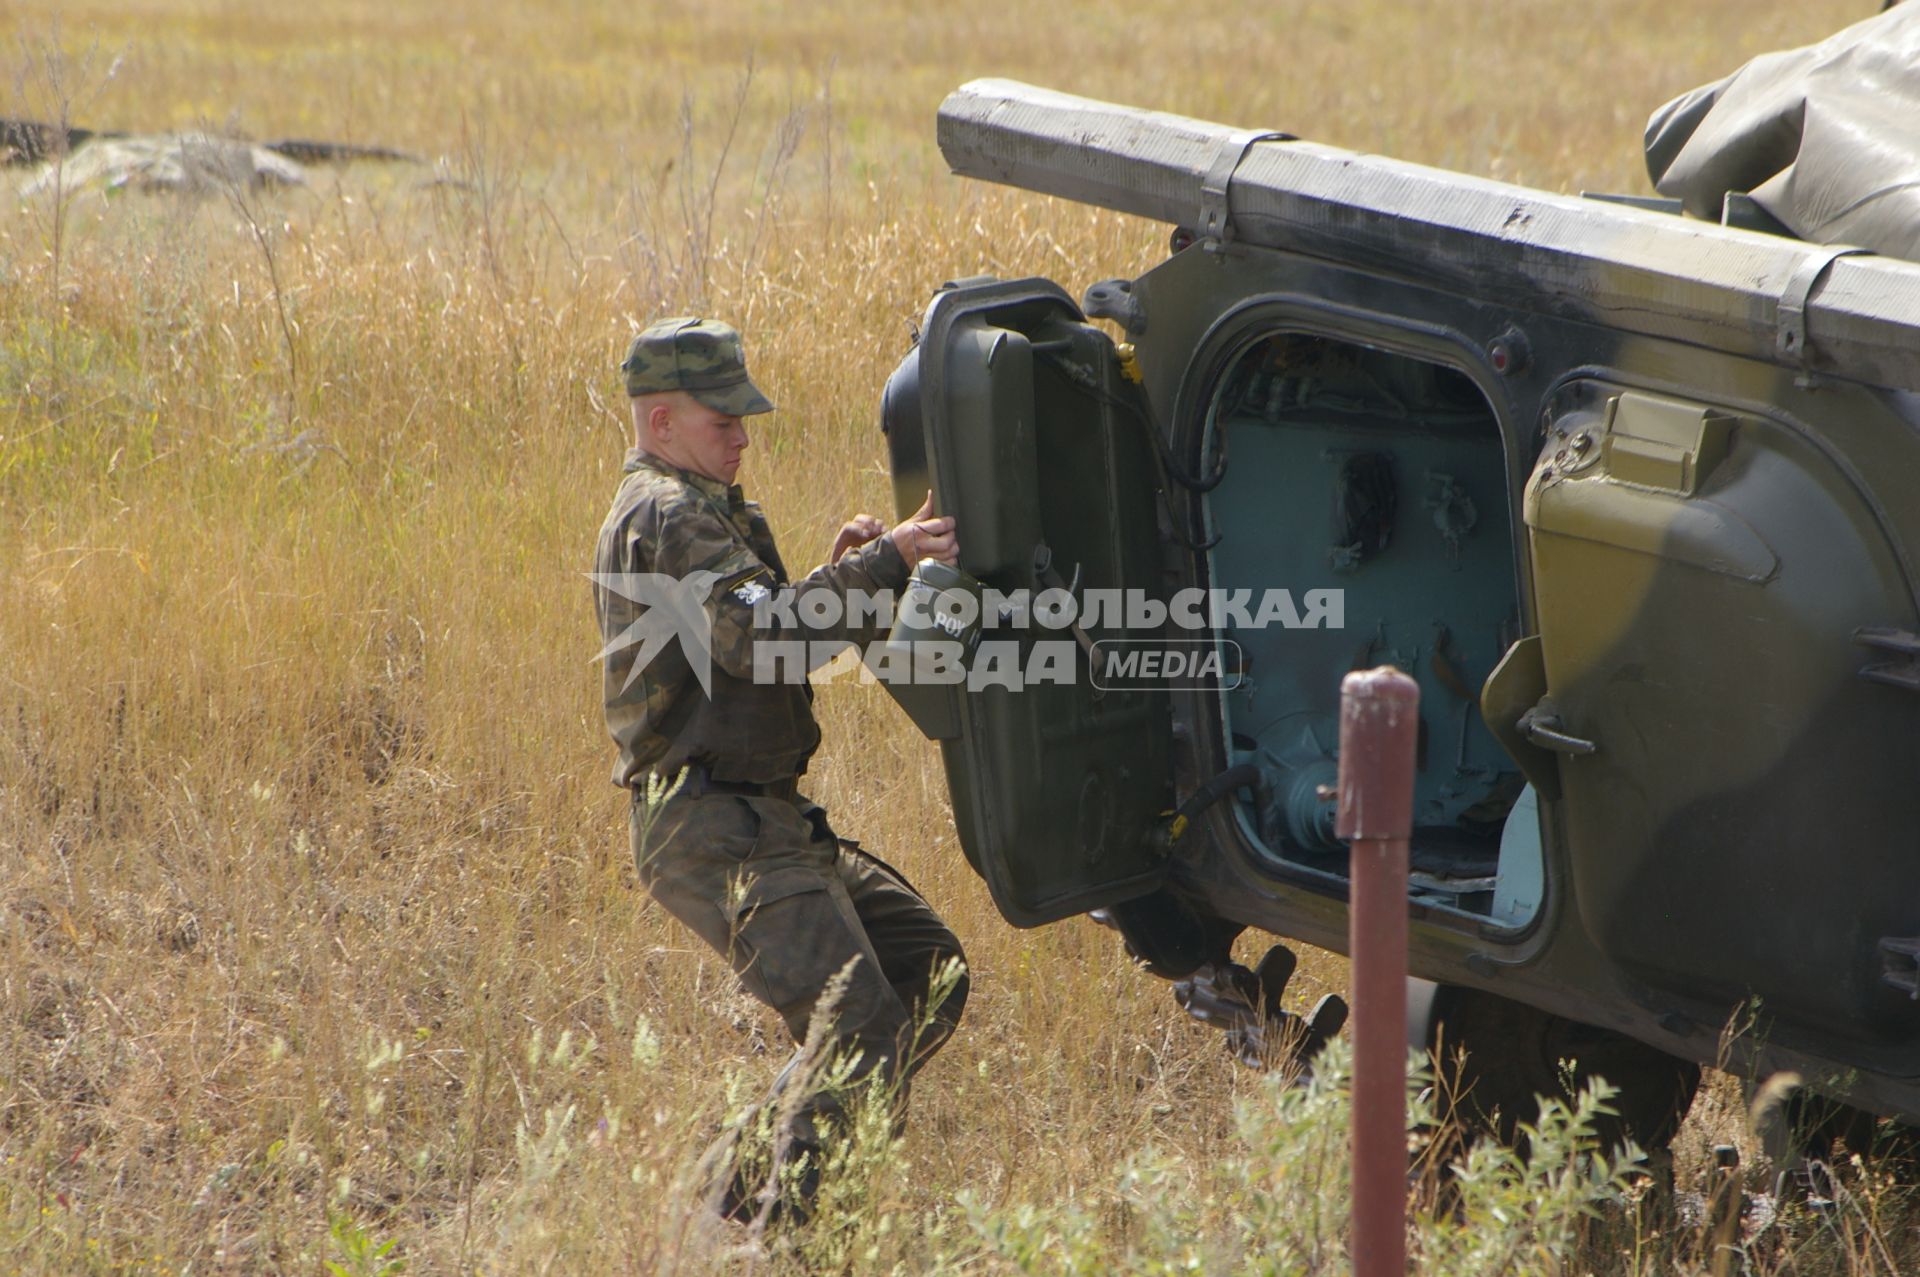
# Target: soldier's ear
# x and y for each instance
(660, 421)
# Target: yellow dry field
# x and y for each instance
(308, 857)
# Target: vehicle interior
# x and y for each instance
(1383, 477)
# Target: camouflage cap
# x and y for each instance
(699, 356)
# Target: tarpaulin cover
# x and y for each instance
(1825, 138)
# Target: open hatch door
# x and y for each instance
(1016, 413)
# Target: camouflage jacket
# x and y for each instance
(698, 531)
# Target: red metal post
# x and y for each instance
(1379, 726)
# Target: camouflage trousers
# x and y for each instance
(769, 886)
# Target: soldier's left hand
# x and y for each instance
(854, 533)
(926, 536)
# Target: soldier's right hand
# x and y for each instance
(854, 533)
(926, 536)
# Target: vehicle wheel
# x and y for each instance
(1513, 1053)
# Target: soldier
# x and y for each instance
(738, 854)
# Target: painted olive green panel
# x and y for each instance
(1704, 644)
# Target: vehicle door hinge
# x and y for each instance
(1114, 299)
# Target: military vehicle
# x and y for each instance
(1630, 494)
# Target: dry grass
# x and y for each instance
(307, 855)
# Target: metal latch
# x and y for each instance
(1903, 670)
(1543, 727)
(1900, 964)
(1216, 219)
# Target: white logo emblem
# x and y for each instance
(676, 608)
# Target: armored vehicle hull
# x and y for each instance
(1629, 494)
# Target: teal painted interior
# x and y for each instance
(1382, 477)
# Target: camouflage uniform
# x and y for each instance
(738, 855)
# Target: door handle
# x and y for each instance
(1543, 727)
(1049, 576)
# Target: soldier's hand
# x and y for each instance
(854, 533)
(924, 536)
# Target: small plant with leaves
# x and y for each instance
(1278, 1203)
(361, 1255)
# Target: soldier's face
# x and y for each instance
(697, 438)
